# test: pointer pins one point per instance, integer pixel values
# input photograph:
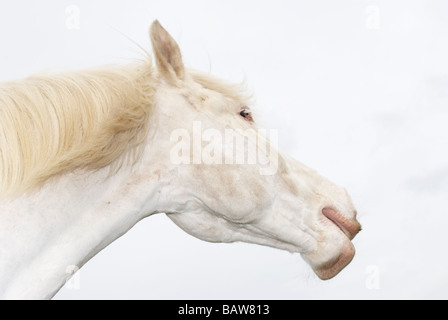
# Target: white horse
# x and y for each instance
(84, 156)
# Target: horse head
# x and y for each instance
(224, 181)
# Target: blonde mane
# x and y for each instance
(55, 123)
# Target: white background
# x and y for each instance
(358, 90)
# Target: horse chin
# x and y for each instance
(335, 265)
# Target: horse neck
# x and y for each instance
(47, 235)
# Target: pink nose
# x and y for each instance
(350, 227)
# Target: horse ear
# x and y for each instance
(167, 53)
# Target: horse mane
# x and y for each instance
(51, 124)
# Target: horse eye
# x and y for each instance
(246, 114)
